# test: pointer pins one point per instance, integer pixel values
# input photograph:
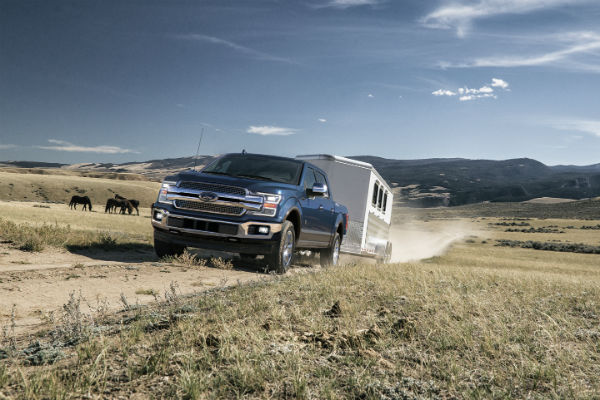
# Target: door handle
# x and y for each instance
(320, 207)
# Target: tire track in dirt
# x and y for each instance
(37, 284)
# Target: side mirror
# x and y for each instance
(319, 189)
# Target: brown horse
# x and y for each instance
(134, 203)
(80, 200)
(113, 204)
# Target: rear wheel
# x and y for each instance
(280, 259)
(165, 249)
(331, 255)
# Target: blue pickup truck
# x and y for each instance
(253, 205)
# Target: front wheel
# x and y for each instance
(281, 257)
(331, 255)
(166, 249)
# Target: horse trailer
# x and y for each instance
(369, 199)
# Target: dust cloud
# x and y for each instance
(418, 240)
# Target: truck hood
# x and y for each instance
(254, 185)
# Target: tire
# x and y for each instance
(280, 259)
(164, 249)
(331, 255)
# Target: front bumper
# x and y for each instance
(215, 234)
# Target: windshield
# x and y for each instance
(257, 167)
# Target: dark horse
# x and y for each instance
(113, 204)
(80, 200)
(134, 203)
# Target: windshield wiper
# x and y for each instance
(256, 177)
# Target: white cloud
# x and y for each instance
(499, 83)
(483, 89)
(443, 92)
(267, 130)
(323, 120)
(370, 96)
(61, 145)
(574, 44)
(234, 46)
(460, 15)
(588, 126)
(349, 3)
(466, 93)
(477, 96)
(7, 146)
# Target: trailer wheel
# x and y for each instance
(281, 258)
(331, 255)
(164, 249)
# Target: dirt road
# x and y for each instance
(36, 284)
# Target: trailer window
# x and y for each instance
(375, 192)
(380, 200)
(385, 202)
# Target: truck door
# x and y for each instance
(326, 210)
(310, 210)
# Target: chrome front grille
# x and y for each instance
(213, 187)
(214, 208)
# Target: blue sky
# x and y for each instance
(115, 81)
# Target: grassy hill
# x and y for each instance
(57, 186)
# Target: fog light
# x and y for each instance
(158, 215)
(263, 230)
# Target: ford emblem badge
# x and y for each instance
(208, 196)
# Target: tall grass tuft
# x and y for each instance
(34, 238)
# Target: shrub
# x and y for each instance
(32, 244)
(185, 258)
(218, 262)
(107, 242)
(550, 246)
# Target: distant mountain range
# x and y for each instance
(419, 183)
(435, 182)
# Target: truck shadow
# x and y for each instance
(144, 252)
(119, 252)
(257, 265)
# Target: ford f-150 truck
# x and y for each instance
(253, 205)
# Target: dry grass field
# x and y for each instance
(472, 320)
(57, 185)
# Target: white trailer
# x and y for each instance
(369, 199)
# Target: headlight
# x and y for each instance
(164, 189)
(270, 203)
